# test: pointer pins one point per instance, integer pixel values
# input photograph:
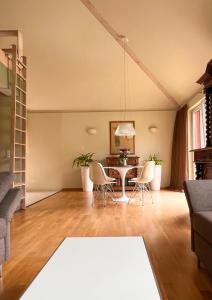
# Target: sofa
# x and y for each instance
(10, 200)
(199, 198)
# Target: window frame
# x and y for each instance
(201, 108)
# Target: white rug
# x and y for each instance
(33, 197)
(113, 268)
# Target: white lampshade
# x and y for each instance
(125, 129)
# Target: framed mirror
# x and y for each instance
(120, 142)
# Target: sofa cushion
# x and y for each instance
(202, 223)
(6, 181)
(2, 251)
(199, 195)
(3, 228)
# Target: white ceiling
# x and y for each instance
(75, 64)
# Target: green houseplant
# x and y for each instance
(83, 161)
(155, 157)
(156, 182)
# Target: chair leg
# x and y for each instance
(149, 190)
(110, 189)
(1, 271)
(142, 195)
(104, 195)
(134, 192)
(95, 194)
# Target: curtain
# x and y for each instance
(179, 164)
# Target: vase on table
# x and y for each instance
(123, 157)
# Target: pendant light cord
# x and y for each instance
(125, 79)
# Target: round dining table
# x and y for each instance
(123, 171)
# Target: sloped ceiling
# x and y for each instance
(74, 63)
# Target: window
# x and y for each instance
(196, 134)
(198, 126)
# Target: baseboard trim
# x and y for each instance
(72, 189)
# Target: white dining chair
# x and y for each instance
(102, 182)
(143, 180)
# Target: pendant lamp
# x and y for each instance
(125, 129)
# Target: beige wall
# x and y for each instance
(55, 139)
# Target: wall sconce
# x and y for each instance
(92, 131)
(153, 129)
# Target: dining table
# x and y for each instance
(123, 171)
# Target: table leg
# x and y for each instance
(123, 198)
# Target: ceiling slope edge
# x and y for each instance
(129, 51)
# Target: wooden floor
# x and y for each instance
(164, 225)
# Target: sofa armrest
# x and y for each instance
(10, 203)
(6, 183)
(199, 195)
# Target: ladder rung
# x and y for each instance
(22, 77)
(20, 102)
(20, 89)
(20, 62)
(22, 171)
(20, 117)
(20, 144)
(20, 130)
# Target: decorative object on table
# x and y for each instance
(83, 161)
(123, 157)
(121, 142)
(156, 182)
(125, 128)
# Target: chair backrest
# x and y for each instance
(97, 173)
(147, 174)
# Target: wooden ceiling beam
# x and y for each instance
(129, 50)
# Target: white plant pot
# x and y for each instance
(156, 182)
(87, 184)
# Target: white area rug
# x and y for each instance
(111, 268)
(33, 197)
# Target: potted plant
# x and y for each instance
(83, 161)
(156, 182)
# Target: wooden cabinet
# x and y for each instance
(114, 161)
(203, 157)
(203, 161)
